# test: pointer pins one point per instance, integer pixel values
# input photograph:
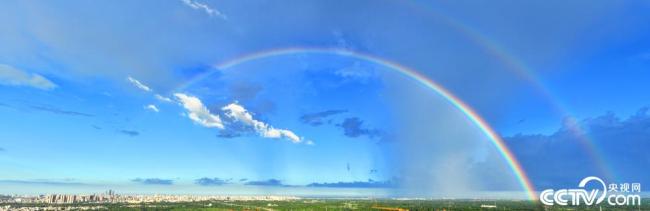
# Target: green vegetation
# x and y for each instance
(327, 204)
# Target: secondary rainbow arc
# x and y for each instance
(470, 113)
(520, 68)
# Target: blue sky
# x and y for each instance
(92, 95)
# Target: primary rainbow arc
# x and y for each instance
(485, 128)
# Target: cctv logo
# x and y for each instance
(550, 196)
(580, 196)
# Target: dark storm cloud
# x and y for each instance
(353, 127)
(205, 181)
(129, 132)
(357, 184)
(270, 182)
(59, 111)
(564, 157)
(153, 181)
(316, 119)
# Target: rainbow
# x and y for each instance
(485, 128)
(520, 69)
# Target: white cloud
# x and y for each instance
(138, 84)
(200, 6)
(197, 112)
(14, 77)
(239, 113)
(162, 98)
(356, 71)
(233, 113)
(152, 108)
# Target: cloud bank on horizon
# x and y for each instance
(153, 181)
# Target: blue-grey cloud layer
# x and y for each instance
(59, 111)
(153, 181)
(353, 127)
(269, 182)
(129, 132)
(357, 184)
(205, 181)
(316, 119)
(561, 159)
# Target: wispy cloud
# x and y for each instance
(152, 107)
(356, 71)
(153, 181)
(240, 114)
(205, 181)
(11, 76)
(197, 112)
(163, 98)
(59, 111)
(316, 119)
(138, 84)
(129, 132)
(201, 6)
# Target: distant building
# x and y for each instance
(489, 206)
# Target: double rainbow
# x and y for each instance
(519, 68)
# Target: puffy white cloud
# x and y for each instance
(200, 6)
(138, 84)
(152, 108)
(162, 98)
(239, 113)
(197, 112)
(234, 114)
(14, 77)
